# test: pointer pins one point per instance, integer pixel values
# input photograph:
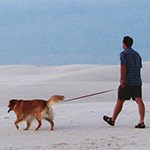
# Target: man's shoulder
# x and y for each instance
(131, 50)
(135, 53)
(123, 53)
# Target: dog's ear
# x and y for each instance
(11, 104)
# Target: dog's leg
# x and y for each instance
(28, 125)
(39, 124)
(38, 118)
(51, 122)
(17, 121)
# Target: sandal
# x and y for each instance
(108, 120)
(140, 125)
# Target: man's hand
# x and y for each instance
(122, 75)
(122, 83)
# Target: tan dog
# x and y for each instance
(34, 109)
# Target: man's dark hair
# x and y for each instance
(128, 41)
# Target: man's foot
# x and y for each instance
(109, 120)
(140, 125)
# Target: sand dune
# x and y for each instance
(88, 73)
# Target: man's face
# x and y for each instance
(124, 46)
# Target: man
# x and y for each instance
(130, 82)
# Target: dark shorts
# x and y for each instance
(128, 92)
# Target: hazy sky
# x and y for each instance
(58, 32)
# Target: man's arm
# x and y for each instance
(122, 75)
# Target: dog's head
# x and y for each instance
(11, 104)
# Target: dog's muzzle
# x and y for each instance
(9, 110)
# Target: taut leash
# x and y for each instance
(88, 95)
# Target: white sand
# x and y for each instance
(78, 124)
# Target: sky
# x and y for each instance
(62, 32)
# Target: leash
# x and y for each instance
(84, 96)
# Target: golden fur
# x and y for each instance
(34, 109)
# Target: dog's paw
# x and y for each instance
(17, 127)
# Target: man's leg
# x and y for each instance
(117, 109)
(141, 108)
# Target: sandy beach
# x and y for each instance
(78, 124)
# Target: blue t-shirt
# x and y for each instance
(132, 60)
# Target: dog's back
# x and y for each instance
(28, 107)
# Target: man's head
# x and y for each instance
(127, 42)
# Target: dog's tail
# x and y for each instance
(55, 99)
